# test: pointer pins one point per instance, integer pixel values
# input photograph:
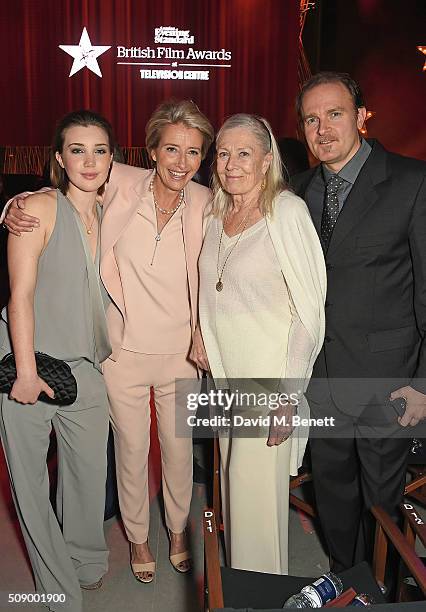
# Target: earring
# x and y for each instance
(263, 184)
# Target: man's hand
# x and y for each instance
(279, 432)
(17, 220)
(198, 353)
(415, 409)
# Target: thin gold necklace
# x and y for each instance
(88, 227)
(219, 284)
(165, 212)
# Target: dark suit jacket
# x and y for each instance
(376, 296)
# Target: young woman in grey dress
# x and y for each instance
(55, 308)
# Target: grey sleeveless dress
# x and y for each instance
(67, 549)
(63, 299)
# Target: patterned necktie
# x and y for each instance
(331, 208)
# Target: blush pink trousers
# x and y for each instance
(128, 383)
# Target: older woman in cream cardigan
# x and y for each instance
(262, 293)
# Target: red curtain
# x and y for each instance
(36, 90)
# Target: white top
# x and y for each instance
(251, 314)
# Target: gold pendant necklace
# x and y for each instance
(88, 228)
(219, 284)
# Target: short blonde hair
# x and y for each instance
(178, 111)
(274, 179)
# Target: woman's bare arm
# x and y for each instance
(23, 256)
(14, 216)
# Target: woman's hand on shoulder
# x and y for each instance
(40, 207)
(26, 390)
(198, 352)
(17, 219)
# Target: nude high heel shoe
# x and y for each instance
(178, 559)
(148, 568)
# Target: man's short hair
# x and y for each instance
(321, 78)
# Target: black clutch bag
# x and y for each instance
(56, 373)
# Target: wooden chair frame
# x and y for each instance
(386, 530)
(416, 488)
(213, 582)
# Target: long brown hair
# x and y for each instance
(83, 118)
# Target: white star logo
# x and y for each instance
(84, 54)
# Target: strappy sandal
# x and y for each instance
(178, 558)
(148, 567)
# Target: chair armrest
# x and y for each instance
(343, 600)
(297, 481)
(216, 480)
(297, 502)
(386, 525)
(415, 521)
(416, 483)
(211, 556)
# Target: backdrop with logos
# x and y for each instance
(123, 57)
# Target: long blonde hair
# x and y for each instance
(274, 181)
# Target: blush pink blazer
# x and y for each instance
(127, 190)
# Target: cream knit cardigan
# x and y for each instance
(301, 259)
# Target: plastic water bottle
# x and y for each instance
(300, 600)
(362, 601)
(315, 595)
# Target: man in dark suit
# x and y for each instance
(369, 208)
